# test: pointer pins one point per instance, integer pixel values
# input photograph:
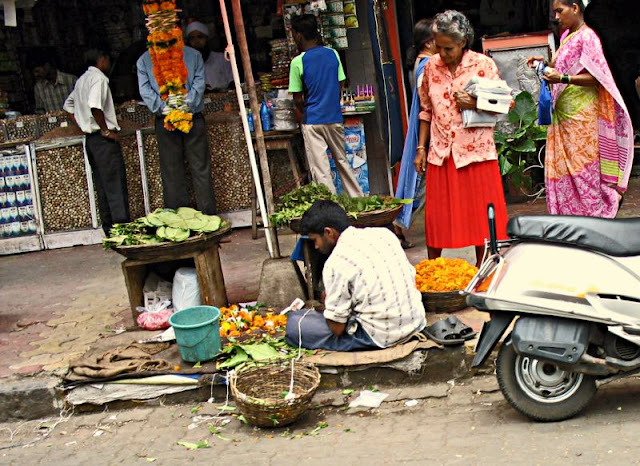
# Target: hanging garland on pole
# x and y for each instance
(166, 47)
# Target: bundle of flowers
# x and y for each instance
(166, 47)
(443, 274)
(236, 321)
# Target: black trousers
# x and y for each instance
(174, 147)
(109, 177)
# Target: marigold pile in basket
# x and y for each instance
(236, 321)
(166, 47)
(438, 275)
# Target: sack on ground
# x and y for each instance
(186, 289)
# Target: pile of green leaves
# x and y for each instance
(256, 351)
(295, 203)
(162, 225)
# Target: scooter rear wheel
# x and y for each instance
(541, 390)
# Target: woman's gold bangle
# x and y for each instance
(421, 147)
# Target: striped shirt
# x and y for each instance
(51, 97)
(368, 277)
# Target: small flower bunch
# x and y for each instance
(443, 274)
(166, 47)
(236, 321)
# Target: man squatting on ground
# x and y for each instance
(175, 146)
(371, 297)
(91, 105)
(315, 80)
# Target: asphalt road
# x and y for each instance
(453, 423)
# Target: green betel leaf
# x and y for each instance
(505, 166)
(524, 111)
(239, 358)
(526, 145)
(261, 351)
(537, 133)
(186, 212)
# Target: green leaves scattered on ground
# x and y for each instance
(162, 225)
(195, 446)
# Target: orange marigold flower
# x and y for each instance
(443, 274)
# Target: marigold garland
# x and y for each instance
(166, 47)
(236, 321)
(443, 274)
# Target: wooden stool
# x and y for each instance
(277, 140)
(207, 261)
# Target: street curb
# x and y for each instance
(38, 397)
(28, 398)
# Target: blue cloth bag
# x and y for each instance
(545, 102)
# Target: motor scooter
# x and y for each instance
(568, 290)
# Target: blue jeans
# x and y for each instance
(316, 334)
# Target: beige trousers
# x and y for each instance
(317, 138)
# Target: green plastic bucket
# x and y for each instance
(197, 332)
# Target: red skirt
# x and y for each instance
(456, 204)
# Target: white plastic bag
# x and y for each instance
(186, 289)
(155, 291)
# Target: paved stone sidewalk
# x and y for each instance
(450, 424)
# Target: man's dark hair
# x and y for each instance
(92, 56)
(324, 214)
(306, 25)
(40, 58)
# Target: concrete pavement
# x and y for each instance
(465, 422)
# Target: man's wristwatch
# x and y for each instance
(105, 133)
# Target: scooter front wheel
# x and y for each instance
(541, 390)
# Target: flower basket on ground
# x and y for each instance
(441, 281)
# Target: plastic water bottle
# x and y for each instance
(265, 116)
(252, 128)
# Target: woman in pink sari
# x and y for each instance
(590, 141)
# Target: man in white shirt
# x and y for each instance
(91, 105)
(371, 296)
(217, 70)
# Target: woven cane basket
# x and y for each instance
(373, 218)
(259, 392)
(444, 301)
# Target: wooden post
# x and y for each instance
(238, 23)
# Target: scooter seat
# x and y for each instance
(614, 237)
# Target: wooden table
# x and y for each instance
(278, 140)
(206, 257)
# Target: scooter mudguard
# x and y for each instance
(562, 341)
(490, 335)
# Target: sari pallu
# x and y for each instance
(590, 141)
(408, 177)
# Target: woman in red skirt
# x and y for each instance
(462, 173)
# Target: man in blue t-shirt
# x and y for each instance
(315, 81)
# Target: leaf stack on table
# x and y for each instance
(295, 203)
(161, 226)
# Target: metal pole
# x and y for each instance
(274, 250)
(238, 24)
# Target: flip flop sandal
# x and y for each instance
(459, 327)
(444, 333)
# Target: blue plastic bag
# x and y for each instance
(545, 103)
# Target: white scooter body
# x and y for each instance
(572, 287)
(549, 279)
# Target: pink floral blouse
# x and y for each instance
(448, 137)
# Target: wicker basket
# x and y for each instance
(155, 251)
(258, 392)
(374, 218)
(444, 301)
